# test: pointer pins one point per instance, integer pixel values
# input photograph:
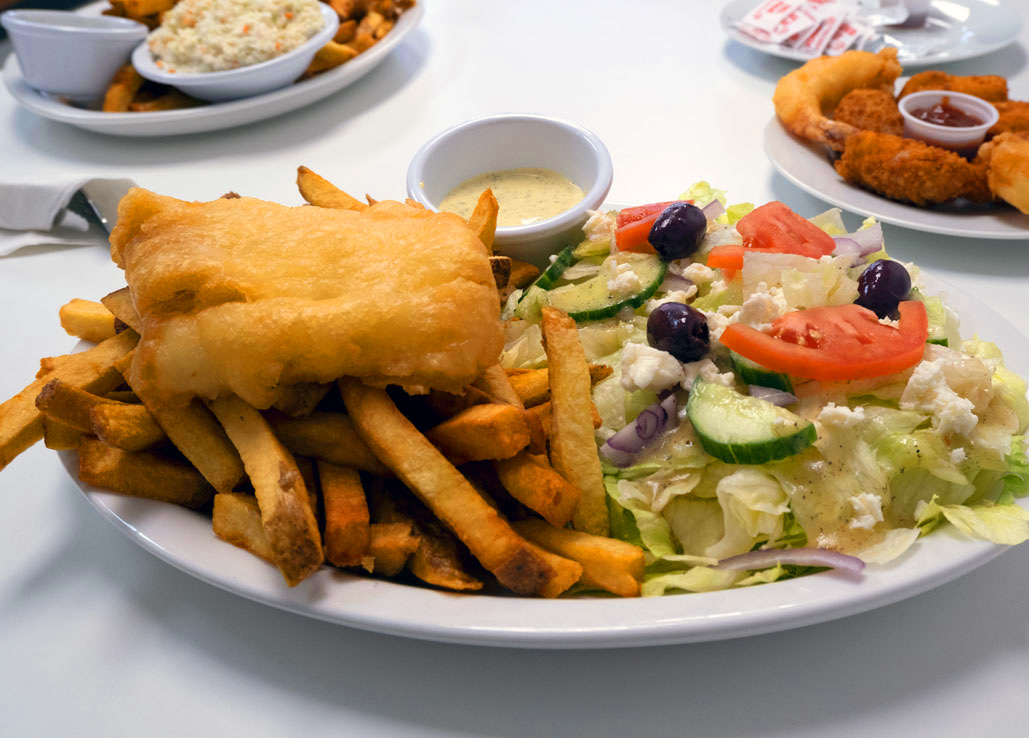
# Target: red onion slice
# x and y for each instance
(792, 556)
(775, 396)
(713, 209)
(859, 244)
(623, 447)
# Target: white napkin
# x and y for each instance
(35, 213)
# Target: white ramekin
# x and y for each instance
(948, 137)
(234, 84)
(70, 55)
(513, 141)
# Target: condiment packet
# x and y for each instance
(845, 37)
(815, 44)
(763, 19)
(802, 19)
(813, 9)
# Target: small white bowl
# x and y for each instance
(514, 141)
(963, 139)
(70, 55)
(234, 84)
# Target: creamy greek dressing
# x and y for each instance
(198, 36)
(525, 196)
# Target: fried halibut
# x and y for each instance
(246, 297)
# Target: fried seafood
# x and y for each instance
(1014, 118)
(806, 96)
(1006, 158)
(870, 110)
(245, 297)
(989, 87)
(906, 169)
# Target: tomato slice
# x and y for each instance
(729, 256)
(775, 227)
(634, 224)
(835, 343)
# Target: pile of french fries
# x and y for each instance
(362, 24)
(459, 491)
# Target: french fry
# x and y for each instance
(607, 563)
(382, 29)
(60, 437)
(329, 57)
(495, 431)
(127, 396)
(436, 560)
(532, 481)
(501, 267)
(300, 400)
(142, 474)
(170, 100)
(321, 193)
(120, 304)
(391, 545)
(21, 422)
(533, 385)
(483, 220)
(543, 415)
(450, 496)
(327, 436)
(311, 483)
(495, 383)
(346, 31)
(69, 405)
(122, 90)
(347, 534)
(237, 520)
(573, 448)
(522, 272)
(286, 511)
(87, 320)
(199, 437)
(447, 405)
(128, 427)
(143, 8)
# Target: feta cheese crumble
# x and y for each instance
(600, 226)
(928, 391)
(868, 510)
(681, 296)
(625, 281)
(957, 456)
(887, 321)
(842, 416)
(763, 307)
(708, 371)
(698, 273)
(645, 367)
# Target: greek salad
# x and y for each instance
(786, 397)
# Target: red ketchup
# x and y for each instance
(945, 114)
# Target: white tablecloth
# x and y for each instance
(101, 639)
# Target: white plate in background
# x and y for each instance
(215, 116)
(184, 539)
(956, 29)
(808, 165)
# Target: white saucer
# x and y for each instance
(808, 166)
(957, 29)
(216, 116)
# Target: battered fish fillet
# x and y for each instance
(805, 96)
(910, 170)
(1007, 164)
(245, 296)
(989, 87)
(870, 110)
(1014, 118)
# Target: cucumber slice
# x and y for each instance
(592, 300)
(530, 306)
(937, 315)
(739, 429)
(750, 372)
(547, 280)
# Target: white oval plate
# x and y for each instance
(807, 165)
(957, 29)
(216, 116)
(184, 539)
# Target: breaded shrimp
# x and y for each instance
(909, 170)
(1006, 159)
(870, 110)
(989, 87)
(805, 96)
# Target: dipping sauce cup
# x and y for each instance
(963, 140)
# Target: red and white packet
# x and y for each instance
(816, 43)
(814, 10)
(763, 19)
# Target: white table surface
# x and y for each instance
(101, 639)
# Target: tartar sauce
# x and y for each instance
(525, 195)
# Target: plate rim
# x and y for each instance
(724, 18)
(216, 116)
(774, 130)
(421, 613)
